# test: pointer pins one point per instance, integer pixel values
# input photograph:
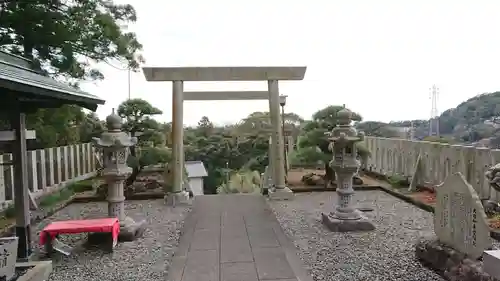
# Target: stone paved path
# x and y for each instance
(234, 238)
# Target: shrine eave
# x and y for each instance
(19, 83)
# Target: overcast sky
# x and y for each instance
(378, 57)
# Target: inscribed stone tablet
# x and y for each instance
(459, 219)
(8, 256)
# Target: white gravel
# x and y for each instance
(388, 253)
(144, 259)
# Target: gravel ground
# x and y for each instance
(145, 259)
(388, 253)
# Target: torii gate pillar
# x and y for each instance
(281, 191)
(178, 142)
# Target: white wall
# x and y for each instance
(196, 185)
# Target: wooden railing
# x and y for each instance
(49, 169)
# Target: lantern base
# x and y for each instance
(280, 194)
(130, 230)
(335, 224)
(177, 199)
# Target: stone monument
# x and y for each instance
(345, 216)
(462, 231)
(115, 145)
(8, 255)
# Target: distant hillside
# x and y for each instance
(473, 120)
(477, 119)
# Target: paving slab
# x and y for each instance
(234, 238)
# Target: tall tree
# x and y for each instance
(64, 37)
(138, 115)
(378, 129)
(260, 122)
(314, 145)
(90, 127)
(205, 126)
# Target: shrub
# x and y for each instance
(241, 182)
(81, 186)
(398, 181)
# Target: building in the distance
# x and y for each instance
(196, 172)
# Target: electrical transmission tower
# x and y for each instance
(434, 120)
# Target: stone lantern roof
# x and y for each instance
(344, 132)
(114, 122)
(114, 136)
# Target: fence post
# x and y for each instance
(76, 148)
(32, 176)
(66, 163)
(2, 182)
(41, 169)
(49, 154)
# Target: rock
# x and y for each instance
(312, 179)
(491, 207)
(152, 184)
(139, 187)
(450, 263)
(356, 180)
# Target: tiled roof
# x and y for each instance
(17, 75)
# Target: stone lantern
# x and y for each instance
(345, 217)
(115, 144)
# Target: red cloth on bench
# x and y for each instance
(111, 225)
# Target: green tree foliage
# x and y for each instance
(90, 127)
(66, 40)
(226, 148)
(241, 182)
(378, 129)
(313, 144)
(150, 156)
(474, 119)
(205, 127)
(63, 37)
(259, 122)
(138, 115)
(55, 127)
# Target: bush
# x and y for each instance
(56, 197)
(66, 192)
(241, 182)
(81, 186)
(398, 181)
(10, 212)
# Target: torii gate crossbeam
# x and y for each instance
(177, 75)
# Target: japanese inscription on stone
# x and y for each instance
(460, 221)
(8, 256)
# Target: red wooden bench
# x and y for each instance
(50, 233)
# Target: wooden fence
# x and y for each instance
(398, 157)
(49, 169)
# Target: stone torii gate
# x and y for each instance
(177, 75)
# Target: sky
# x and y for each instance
(379, 58)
